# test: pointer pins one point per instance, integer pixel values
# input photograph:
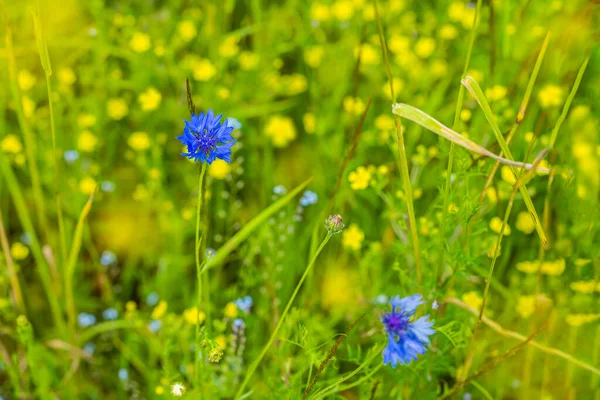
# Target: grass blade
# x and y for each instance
(476, 91)
(72, 262)
(248, 228)
(430, 123)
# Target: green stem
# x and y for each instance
(197, 357)
(262, 354)
(402, 153)
(459, 104)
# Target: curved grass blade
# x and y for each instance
(239, 237)
(430, 123)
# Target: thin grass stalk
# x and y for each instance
(16, 292)
(45, 60)
(459, 104)
(521, 112)
(30, 148)
(473, 87)
(402, 154)
(36, 249)
(252, 368)
(198, 353)
(72, 262)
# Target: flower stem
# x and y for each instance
(197, 356)
(258, 359)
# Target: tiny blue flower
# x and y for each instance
(108, 258)
(435, 305)
(244, 304)
(406, 337)
(89, 348)
(234, 123)
(84, 319)
(309, 197)
(210, 253)
(123, 374)
(154, 325)
(207, 139)
(238, 323)
(152, 299)
(26, 238)
(107, 186)
(110, 314)
(279, 190)
(71, 156)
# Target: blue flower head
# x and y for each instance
(406, 337)
(206, 138)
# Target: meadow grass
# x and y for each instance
(409, 209)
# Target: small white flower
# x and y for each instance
(177, 389)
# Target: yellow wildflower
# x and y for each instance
(296, 83)
(187, 30)
(204, 70)
(553, 268)
(19, 251)
(313, 56)
(219, 169)
(139, 141)
(87, 141)
(140, 193)
(399, 44)
(496, 226)
(577, 320)
(28, 106)
(140, 42)
(507, 174)
(448, 32)
(369, 55)
(249, 60)
(551, 96)
(584, 286)
(229, 48)
(384, 122)
(160, 310)
(525, 223)
(87, 185)
(86, 120)
(159, 390)
(281, 130)
(66, 76)
(342, 10)
(495, 93)
(310, 123)
(117, 108)
(526, 306)
(192, 316)
(320, 12)
(26, 80)
(360, 178)
(580, 262)
(472, 299)
(231, 310)
(11, 144)
(130, 306)
(150, 99)
(352, 237)
(425, 47)
(452, 208)
(528, 267)
(353, 105)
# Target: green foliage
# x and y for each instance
(137, 295)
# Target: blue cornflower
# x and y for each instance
(406, 337)
(206, 139)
